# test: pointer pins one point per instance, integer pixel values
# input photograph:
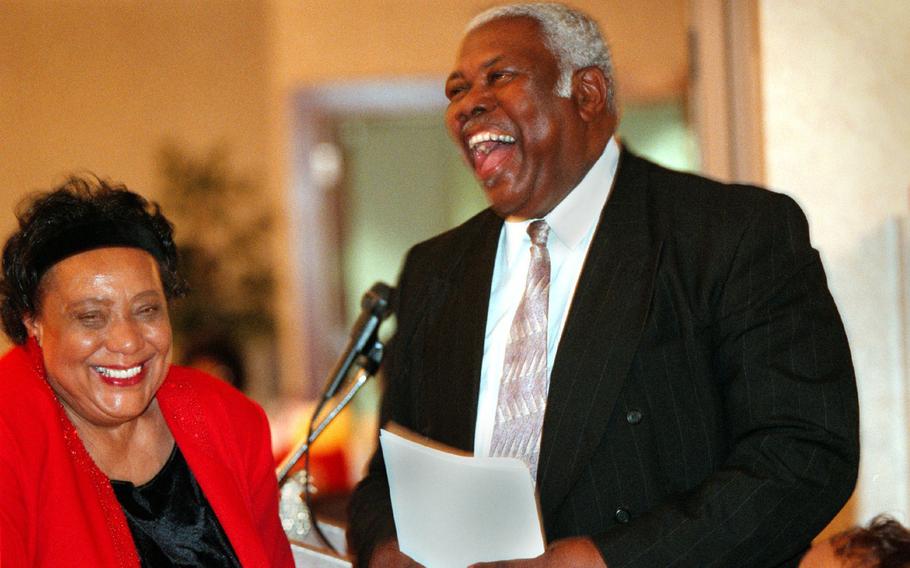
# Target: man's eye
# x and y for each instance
(499, 76)
(453, 92)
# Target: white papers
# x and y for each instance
(451, 511)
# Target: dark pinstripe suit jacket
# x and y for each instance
(702, 407)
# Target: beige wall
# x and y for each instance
(835, 82)
(97, 85)
(328, 40)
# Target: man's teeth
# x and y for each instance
(119, 373)
(482, 137)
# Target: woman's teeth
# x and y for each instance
(119, 373)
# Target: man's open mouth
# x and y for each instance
(488, 150)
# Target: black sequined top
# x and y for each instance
(171, 520)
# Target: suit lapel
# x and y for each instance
(601, 334)
(459, 330)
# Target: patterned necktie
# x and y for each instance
(523, 389)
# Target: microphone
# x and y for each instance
(375, 307)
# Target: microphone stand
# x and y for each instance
(364, 350)
(367, 365)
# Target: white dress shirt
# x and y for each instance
(572, 224)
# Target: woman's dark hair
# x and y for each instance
(885, 543)
(82, 214)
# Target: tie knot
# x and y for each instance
(538, 231)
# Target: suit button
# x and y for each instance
(622, 515)
(633, 416)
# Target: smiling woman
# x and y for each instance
(108, 453)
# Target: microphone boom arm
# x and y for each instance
(367, 367)
(363, 350)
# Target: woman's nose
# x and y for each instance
(124, 336)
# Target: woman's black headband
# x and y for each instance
(94, 235)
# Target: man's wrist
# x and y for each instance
(386, 554)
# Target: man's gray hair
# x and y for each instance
(571, 35)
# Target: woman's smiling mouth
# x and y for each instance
(120, 377)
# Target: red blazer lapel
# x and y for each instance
(216, 464)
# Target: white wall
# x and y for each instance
(836, 103)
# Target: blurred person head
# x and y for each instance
(531, 104)
(884, 543)
(219, 356)
(87, 278)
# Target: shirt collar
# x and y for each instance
(577, 214)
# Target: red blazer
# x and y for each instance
(58, 509)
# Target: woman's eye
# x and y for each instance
(91, 319)
(150, 310)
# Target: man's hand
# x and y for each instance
(387, 555)
(577, 552)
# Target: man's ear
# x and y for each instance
(590, 90)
